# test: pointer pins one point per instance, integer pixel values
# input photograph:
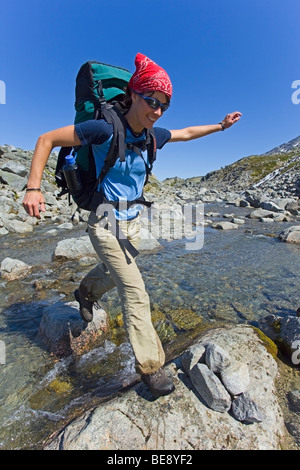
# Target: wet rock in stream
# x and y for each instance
(63, 331)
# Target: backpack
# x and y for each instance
(99, 92)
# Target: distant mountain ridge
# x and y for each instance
(250, 171)
(290, 146)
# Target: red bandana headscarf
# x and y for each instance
(149, 76)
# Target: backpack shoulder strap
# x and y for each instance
(151, 151)
(151, 145)
(111, 158)
(114, 117)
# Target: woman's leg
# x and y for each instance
(125, 275)
(96, 283)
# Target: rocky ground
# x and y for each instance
(202, 413)
(244, 183)
(202, 400)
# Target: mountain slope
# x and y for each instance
(255, 169)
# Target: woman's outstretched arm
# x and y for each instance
(195, 132)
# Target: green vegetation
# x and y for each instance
(268, 343)
(255, 167)
(261, 165)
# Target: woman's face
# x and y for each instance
(146, 116)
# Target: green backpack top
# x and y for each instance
(96, 82)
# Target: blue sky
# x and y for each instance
(222, 56)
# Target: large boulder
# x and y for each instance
(63, 332)
(284, 331)
(183, 420)
(225, 225)
(12, 269)
(75, 248)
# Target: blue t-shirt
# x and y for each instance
(125, 180)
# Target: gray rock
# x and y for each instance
(65, 226)
(216, 357)
(253, 197)
(294, 398)
(261, 213)
(210, 388)
(51, 232)
(74, 248)
(14, 167)
(50, 199)
(285, 331)
(15, 182)
(291, 235)
(63, 331)
(270, 206)
(283, 203)
(12, 269)
(244, 203)
(281, 217)
(235, 378)
(192, 356)
(18, 226)
(238, 221)
(246, 410)
(293, 207)
(213, 214)
(294, 429)
(225, 225)
(183, 195)
(8, 205)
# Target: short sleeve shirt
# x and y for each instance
(125, 180)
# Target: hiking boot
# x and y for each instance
(159, 383)
(85, 306)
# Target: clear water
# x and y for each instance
(238, 276)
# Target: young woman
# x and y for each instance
(149, 92)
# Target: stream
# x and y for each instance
(237, 276)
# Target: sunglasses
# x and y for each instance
(154, 103)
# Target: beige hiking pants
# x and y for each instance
(123, 272)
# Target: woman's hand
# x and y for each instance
(231, 118)
(34, 203)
